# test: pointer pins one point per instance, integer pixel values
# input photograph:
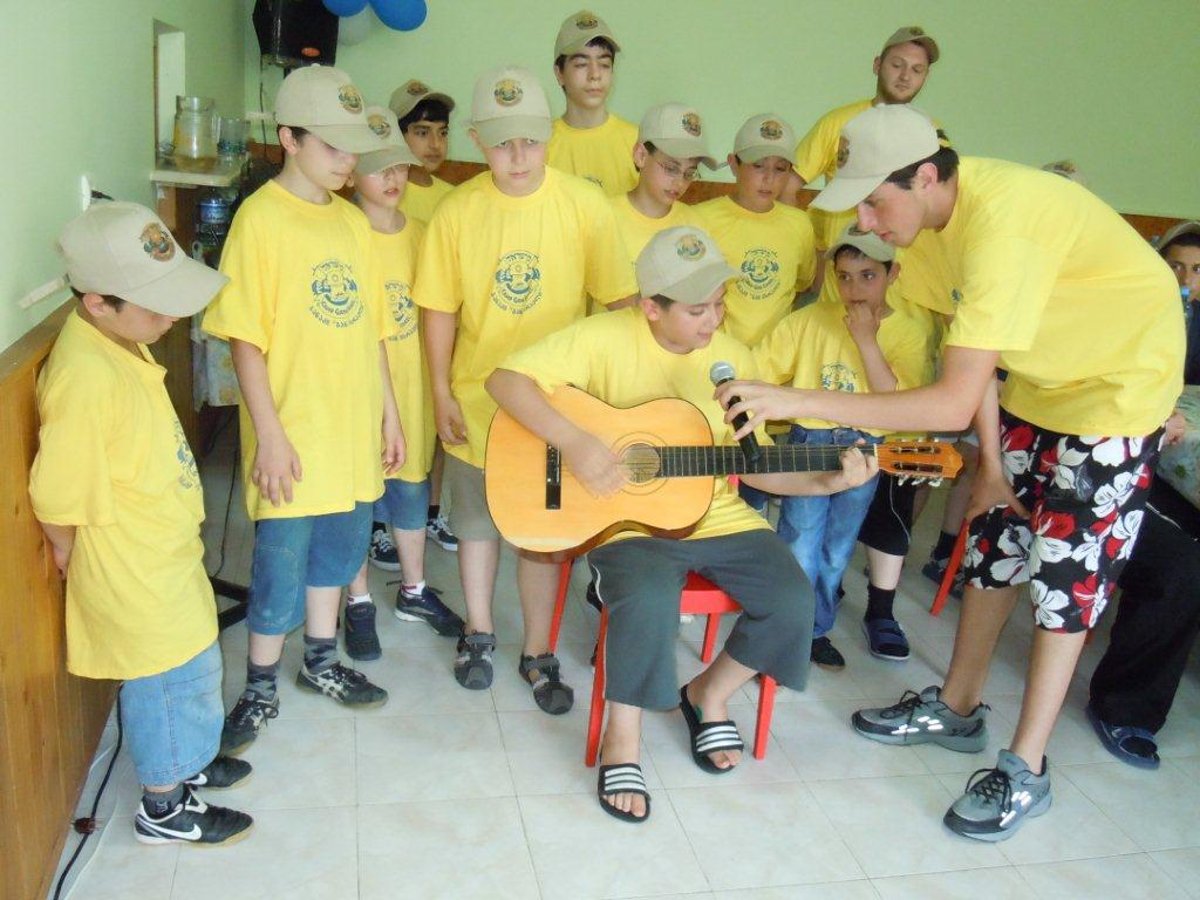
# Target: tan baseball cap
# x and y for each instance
(384, 123)
(683, 264)
(408, 95)
(873, 145)
(914, 34)
(578, 30)
(677, 130)
(323, 100)
(508, 103)
(866, 242)
(124, 250)
(1175, 232)
(762, 136)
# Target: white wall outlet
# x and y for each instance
(85, 191)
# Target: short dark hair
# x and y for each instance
(664, 303)
(1187, 239)
(855, 253)
(601, 42)
(945, 159)
(430, 109)
(113, 301)
(297, 132)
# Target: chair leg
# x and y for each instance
(560, 602)
(596, 714)
(710, 637)
(766, 708)
(952, 565)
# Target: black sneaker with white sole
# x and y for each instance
(362, 640)
(382, 552)
(426, 606)
(247, 718)
(192, 821)
(222, 772)
(345, 685)
(438, 530)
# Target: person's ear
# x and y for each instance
(95, 305)
(893, 272)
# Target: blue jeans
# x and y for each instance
(822, 530)
(404, 504)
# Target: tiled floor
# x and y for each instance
(451, 793)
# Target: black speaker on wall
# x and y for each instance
(293, 33)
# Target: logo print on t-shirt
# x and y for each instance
(335, 294)
(157, 243)
(594, 179)
(400, 302)
(760, 274)
(955, 296)
(518, 286)
(837, 377)
(189, 476)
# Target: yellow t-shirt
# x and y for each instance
(812, 348)
(775, 254)
(616, 358)
(816, 155)
(112, 461)
(602, 155)
(1083, 311)
(419, 200)
(303, 289)
(637, 229)
(515, 269)
(396, 263)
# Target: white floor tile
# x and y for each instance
(999, 883)
(1158, 809)
(121, 867)
(1114, 876)
(1183, 866)
(298, 763)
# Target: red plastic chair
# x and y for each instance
(699, 597)
(952, 566)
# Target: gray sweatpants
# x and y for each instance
(640, 579)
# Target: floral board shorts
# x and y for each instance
(1086, 497)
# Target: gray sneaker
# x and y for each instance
(924, 718)
(998, 800)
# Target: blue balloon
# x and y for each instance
(402, 15)
(343, 8)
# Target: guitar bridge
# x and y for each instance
(553, 478)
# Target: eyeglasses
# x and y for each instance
(673, 170)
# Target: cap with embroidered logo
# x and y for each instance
(578, 30)
(873, 145)
(677, 130)
(682, 264)
(124, 250)
(406, 97)
(508, 103)
(323, 100)
(762, 136)
(912, 34)
(866, 242)
(397, 153)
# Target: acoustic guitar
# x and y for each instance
(669, 459)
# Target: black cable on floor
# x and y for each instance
(87, 826)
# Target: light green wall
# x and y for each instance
(79, 97)
(1107, 83)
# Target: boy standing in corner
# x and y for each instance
(589, 141)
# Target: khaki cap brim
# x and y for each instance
(377, 161)
(496, 131)
(699, 286)
(846, 193)
(762, 151)
(681, 149)
(402, 103)
(349, 138)
(183, 291)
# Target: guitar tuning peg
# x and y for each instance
(903, 479)
(937, 482)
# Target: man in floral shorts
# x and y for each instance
(1050, 285)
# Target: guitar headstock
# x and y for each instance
(918, 460)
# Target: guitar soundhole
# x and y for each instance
(641, 463)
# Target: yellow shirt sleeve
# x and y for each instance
(1003, 301)
(243, 309)
(609, 275)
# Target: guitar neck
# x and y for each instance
(684, 462)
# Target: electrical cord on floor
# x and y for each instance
(237, 455)
(88, 825)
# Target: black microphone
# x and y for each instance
(720, 373)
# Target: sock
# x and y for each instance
(260, 680)
(945, 545)
(413, 590)
(879, 603)
(158, 803)
(351, 599)
(319, 653)
(434, 509)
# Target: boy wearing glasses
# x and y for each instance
(770, 244)
(588, 140)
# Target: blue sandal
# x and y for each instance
(886, 639)
(1128, 743)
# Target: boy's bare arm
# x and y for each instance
(438, 330)
(394, 447)
(587, 457)
(990, 487)
(863, 324)
(62, 542)
(276, 463)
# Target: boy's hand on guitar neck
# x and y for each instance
(595, 466)
(857, 468)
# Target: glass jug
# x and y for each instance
(195, 134)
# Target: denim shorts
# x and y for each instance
(404, 504)
(172, 720)
(307, 551)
